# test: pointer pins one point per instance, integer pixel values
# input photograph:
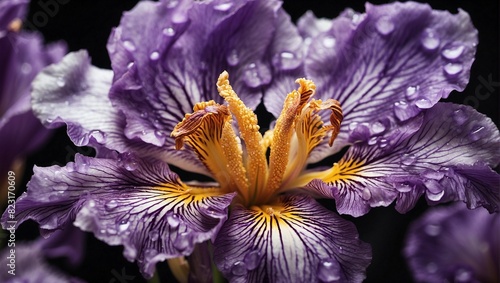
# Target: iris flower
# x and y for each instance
(22, 56)
(455, 244)
(186, 79)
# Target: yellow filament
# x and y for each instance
(249, 131)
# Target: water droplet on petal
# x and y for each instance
(423, 103)
(252, 260)
(155, 55)
(81, 164)
(256, 74)
(239, 268)
(453, 69)
(110, 205)
(223, 7)
(384, 25)
(154, 235)
(183, 240)
(328, 41)
(462, 275)
(111, 231)
(431, 267)
(26, 68)
(408, 159)
(459, 116)
(168, 31)
(404, 187)
(431, 174)
(353, 125)
(128, 161)
(130, 65)
(476, 133)
(159, 134)
(435, 190)
(372, 141)
(129, 45)
(429, 39)
(453, 52)
(60, 82)
(173, 220)
(233, 57)
(378, 127)
(99, 136)
(329, 270)
(144, 114)
(383, 142)
(366, 194)
(123, 226)
(432, 229)
(286, 61)
(411, 91)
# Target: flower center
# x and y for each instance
(238, 161)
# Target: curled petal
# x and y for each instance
(75, 93)
(142, 206)
(448, 158)
(390, 63)
(293, 240)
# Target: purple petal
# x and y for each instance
(390, 63)
(75, 93)
(448, 158)
(158, 79)
(142, 206)
(454, 244)
(302, 242)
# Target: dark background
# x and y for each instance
(87, 24)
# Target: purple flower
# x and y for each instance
(22, 56)
(26, 261)
(454, 244)
(168, 105)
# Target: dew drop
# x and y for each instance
(382, 143)
(378, 127)
(26, 68)
(286, 61)
(353, 125)
(154, 56)
(60, 82)
(99, 136)
(233, 57)
(476, 133)
(431, 267)
(256, 75)
(173, 220)
(411, 91)
(123, 226)
(453, 52)
(408, 159)
(159, 134)
(128, 161)
(130, 65)
(239, 268)
(373, 141)
(384, 25)
(144, 114)
(110, 205)
(431, 174)
(81, 164)
(366, 194)
(328, 42)
(183, 240)
(463, 275)
(459, 116)
(129, 45)
(224, 7)
(154, 235)
(429, 40)
(404, 187)
(453, 69)
(432, 230)
(252, 260)
(168, 31)
(423, 103)
(329, 270)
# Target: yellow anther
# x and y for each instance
(249, 132)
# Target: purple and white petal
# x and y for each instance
(142, 206)
(295, 240)
(75, 93)
(158, 79)
(389, 64)
(454, 244)
(448, 158)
